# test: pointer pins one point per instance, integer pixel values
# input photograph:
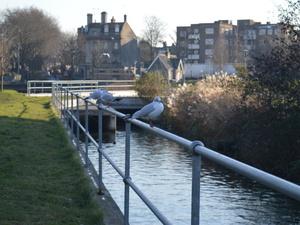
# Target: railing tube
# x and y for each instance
(127, 172)
(72, 112)
(100, 135)
(65, 97)
(86, 132)
(78, 118)
(61, 103)
(67, 118)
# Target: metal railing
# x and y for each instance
(45, 86)
(61, 99)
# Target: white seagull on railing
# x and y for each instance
(150, 112)
(103, 97)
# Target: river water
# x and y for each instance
(162, 170)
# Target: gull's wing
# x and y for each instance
(96, 94)
(146, 110)
(107, 97)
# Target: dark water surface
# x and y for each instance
(162, 170)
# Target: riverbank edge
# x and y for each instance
(112, 214)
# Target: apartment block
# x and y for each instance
(205, 42)
(255, 37)
(222, 42)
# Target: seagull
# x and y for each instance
(151, 111)
(103, 97)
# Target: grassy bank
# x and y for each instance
(41, 179)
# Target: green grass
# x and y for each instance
(41, 179)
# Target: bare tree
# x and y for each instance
(34, 37)
(68, 52)
(154, 31)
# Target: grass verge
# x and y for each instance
(41, 179)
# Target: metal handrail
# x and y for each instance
(196, 147)
(45, 86)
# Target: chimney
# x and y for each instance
(168, 53)
(89, 18)
(103, 17)
(113, 20)
(125, 18)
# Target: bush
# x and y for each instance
(151, 85)
(206, 109)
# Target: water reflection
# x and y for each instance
(162, 170)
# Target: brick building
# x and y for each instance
(221, 42)
(205, 42)
(108, 49)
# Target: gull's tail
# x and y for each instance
(117, 99)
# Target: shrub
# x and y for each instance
(151, 85)
(206, 109)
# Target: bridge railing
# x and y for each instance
(70, 117)
(45, 86)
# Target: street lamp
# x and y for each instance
(2, 60)
(245, 57)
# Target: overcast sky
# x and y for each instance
(72, 14)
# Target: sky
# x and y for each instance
(72, 14)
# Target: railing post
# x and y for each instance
(28, 88)
(78, 119)
(196, 173)
(72, 114)
(100, 135)
(53, 95)
(65, 97)
(61, 102)
(86, 132)
(127, 172)
(67, 115)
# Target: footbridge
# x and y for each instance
(119, 88)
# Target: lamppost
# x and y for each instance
(245, 57)
(2, 60)
(210, 64)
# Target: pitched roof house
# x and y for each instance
(169, 66)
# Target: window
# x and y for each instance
(196, 41)
(182, 33)
(106, 28)
(209, 52)
(116, 45)
(196, 52)
(117, 28)
(194, 36)
(196, 31)
(193, 46)
(262, 32)
(209, 41)
(209, 30)
(270, 31)
(193, 56)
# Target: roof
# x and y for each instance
(99, 28)
(171, 63)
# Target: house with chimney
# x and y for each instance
(108, 49)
